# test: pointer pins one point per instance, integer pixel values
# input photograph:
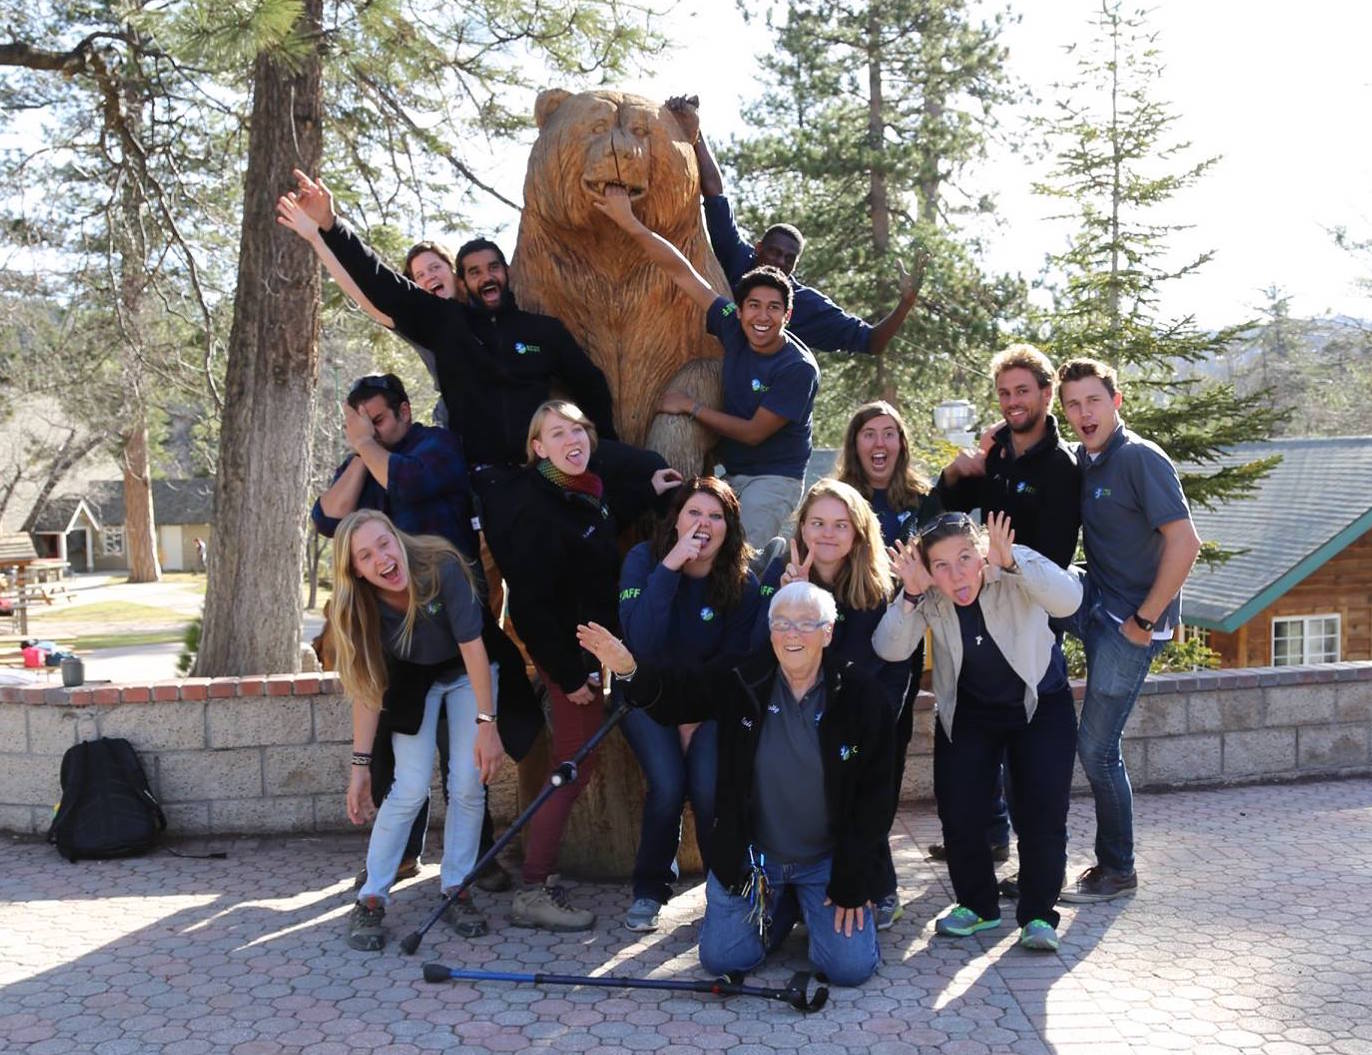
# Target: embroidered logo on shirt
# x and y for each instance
(772, 708)
(758, 386)
(433, 607)
(526, 349)
(747, 723)
(847, 751)
(1101, 492)
(902, 517)
(590, 529)
(766, 590)
(728, 309)
(1024, 487)
(629, 594)
(707, 613)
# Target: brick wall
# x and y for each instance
(251, 755)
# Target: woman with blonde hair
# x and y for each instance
(553, 528)
(408, 629)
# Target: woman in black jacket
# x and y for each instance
(553, 530)
(801, 800)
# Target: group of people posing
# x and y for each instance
(771, 677)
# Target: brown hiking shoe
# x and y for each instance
(364, 925)
(494, 879)
(547, 907)
(465, 918)
(409, 868)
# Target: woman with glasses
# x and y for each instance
(554, 532)
(408, 633)
(875, 461)
(1001, 691)
(685, 597)
(804, 775)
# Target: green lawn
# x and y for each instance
(87, 642)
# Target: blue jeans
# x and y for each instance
(730, 942)
(671, 776)
(414, 766)
(1115, 671)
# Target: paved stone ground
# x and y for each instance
(1251, 932)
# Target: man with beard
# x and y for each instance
(496, 364)
(1025, 469)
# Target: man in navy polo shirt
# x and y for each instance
(769, 382)
(1140, 544)
(817, 321)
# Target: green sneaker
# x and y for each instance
(962, 921)
(1039, 935)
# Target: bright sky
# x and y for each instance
(1280, 92)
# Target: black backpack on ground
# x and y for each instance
(107, 808)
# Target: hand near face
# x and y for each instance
(616, 205)
(687, 549)
(907, 563)
(665, 480)
(797, 570)
(968, 462)
(1000, 537)
(357, 427)
(607, 648)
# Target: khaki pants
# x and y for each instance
(767, 503)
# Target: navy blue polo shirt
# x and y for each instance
(785, 382)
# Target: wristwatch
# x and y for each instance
(1146, 624)
(482, 717)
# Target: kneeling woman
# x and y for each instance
(408, 628)
(804, 776)
(1001, 691)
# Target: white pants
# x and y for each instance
(414, 766)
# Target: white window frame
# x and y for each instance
(112, 542)
(1305, 621)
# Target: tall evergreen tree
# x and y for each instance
(875, 116)
(1117, 166)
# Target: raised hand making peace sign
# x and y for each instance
(796, 569)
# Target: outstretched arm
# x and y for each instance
(290, 214)
(910, 283)
(685, 108)
(661, 252)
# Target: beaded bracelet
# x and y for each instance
(361, 758)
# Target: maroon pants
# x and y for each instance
(573, 725)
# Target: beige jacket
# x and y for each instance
(1016, 606)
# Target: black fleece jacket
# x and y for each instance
(856, 742)
(494, 369)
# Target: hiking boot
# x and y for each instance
(1039, 935)
(1009, 887)
(409, 868)
(465, 918)
(642, 915)
(547, 907)
(364, 925)
(962, 921)
(1099, 883)
(889, 909)
(1000, 853)
(494, 879)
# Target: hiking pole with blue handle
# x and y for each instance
(563, 774)
(797, 991)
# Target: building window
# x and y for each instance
(1305, 639)
(113, 541)
(1196, 633)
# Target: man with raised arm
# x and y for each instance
(769, 383)
(496, 364)
(820, 323)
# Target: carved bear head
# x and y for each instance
(592, 139)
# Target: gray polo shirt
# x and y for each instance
(791, 817)
(1128, 491)
(452, 618)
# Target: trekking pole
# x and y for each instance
(797, 991)
(563, 774)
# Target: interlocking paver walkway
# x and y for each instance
(1251, 933)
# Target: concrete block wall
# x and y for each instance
(255, 755)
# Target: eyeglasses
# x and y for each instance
(378, 383)
(781, 625)
(946, 520)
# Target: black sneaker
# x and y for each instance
(1098, 883)
(465, 918)
(938, 852)
(1009, 887)
(1000, 853)
(364, 925)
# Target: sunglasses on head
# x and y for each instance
(946, 520)
(376, 383)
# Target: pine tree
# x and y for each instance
(1117, 168)
(876, 116)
